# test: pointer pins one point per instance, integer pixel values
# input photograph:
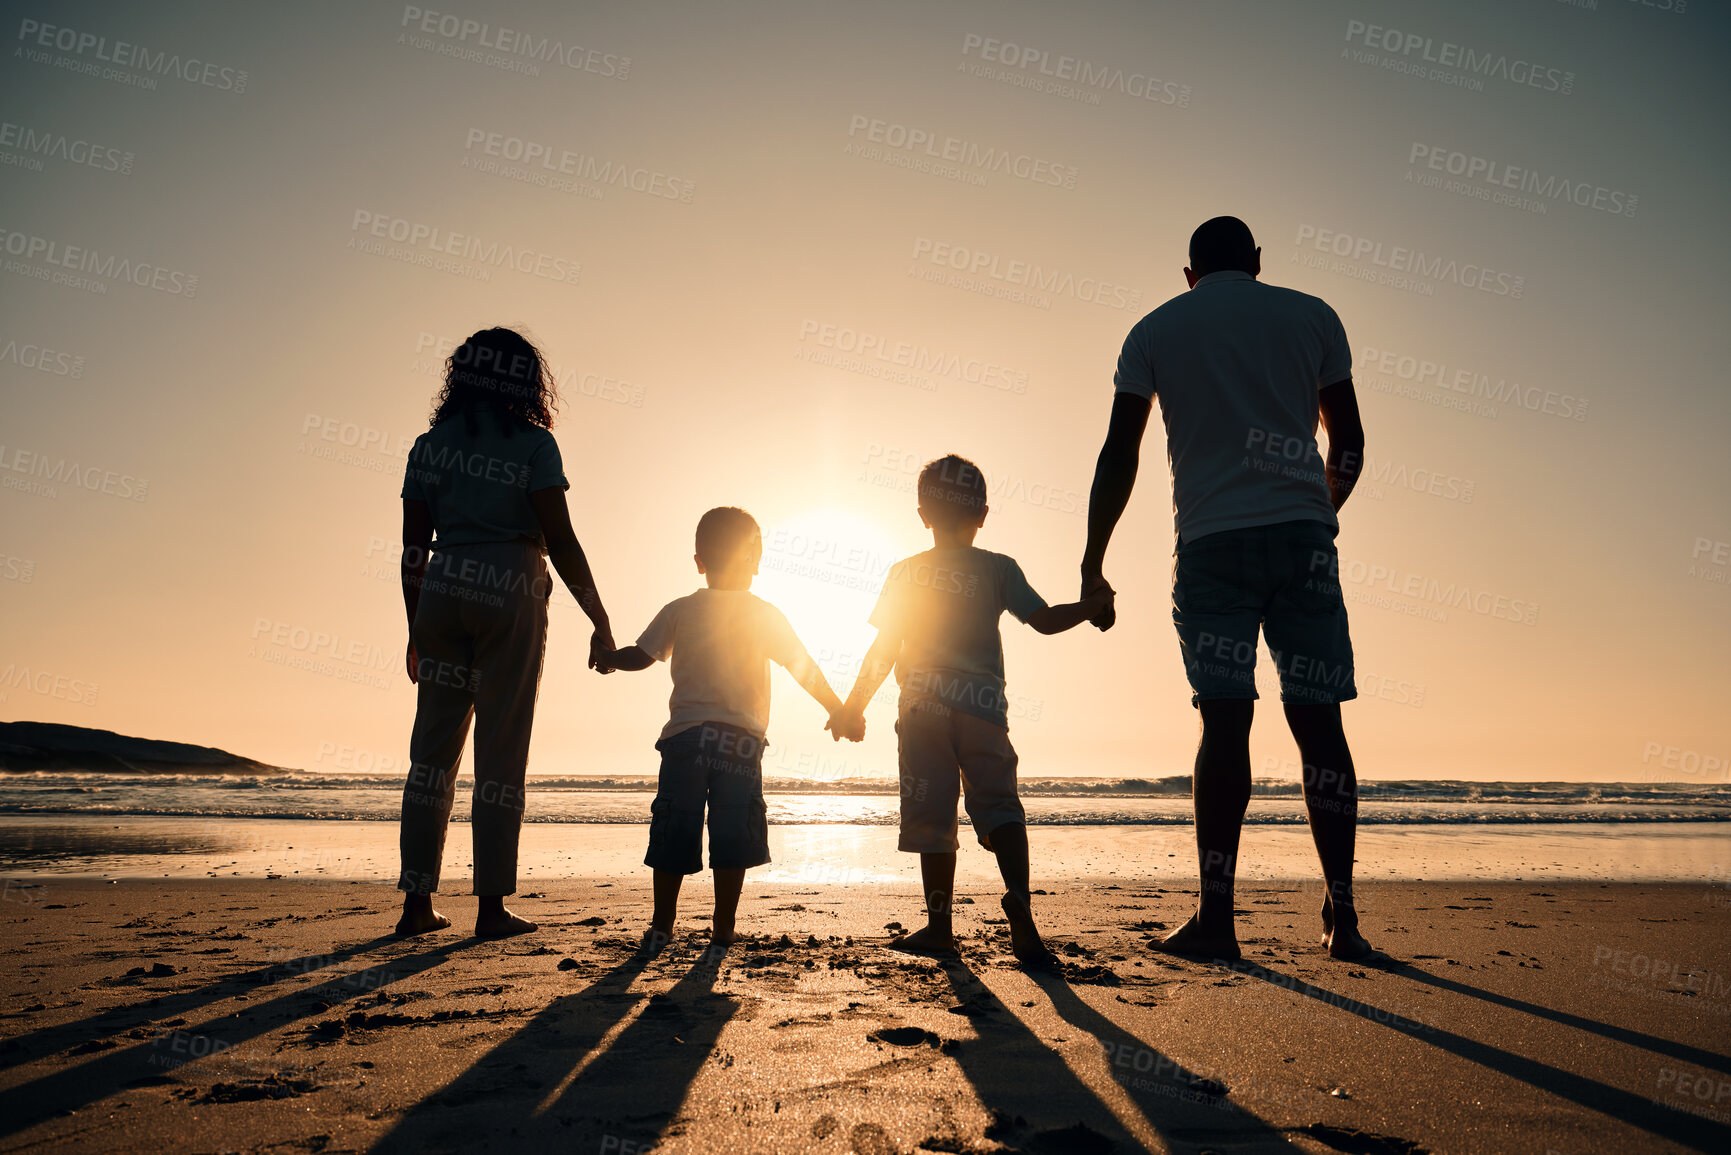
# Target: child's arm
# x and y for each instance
(806, 673)
(629, 658)
(878, 663)
(654, 643)
(1057, 619)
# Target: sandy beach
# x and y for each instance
(279, 1015)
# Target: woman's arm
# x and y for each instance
(567, 556)
(417, 542)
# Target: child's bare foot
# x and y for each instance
(501, 923)
(1193, 940)
(928, 942)
(1025, 941)
(421, 918)
(655, 940)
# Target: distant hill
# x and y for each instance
(26, 746)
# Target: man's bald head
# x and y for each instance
(1224, 243)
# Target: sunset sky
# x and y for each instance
(819, 284)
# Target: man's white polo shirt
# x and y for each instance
(1236, 366)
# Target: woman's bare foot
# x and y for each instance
(655, 940)
(722, 935)
(501, 923)
(928, 942)
(419, 917)
(1025, 942)
(1193, 940)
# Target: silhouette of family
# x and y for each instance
(1243, 372)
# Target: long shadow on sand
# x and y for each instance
(1015, 1074)
(154, 1006)
(542, 1090)
(1679, 1127)
(120, 1066)
(1711, 1060)
(1180, 1104)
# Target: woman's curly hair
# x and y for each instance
(500, 370)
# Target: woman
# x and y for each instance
(483, 505)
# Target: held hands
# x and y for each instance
(1098, 593)
(601, 649)
(846, 723)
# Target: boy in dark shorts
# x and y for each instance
(720, 640)
(937, 621)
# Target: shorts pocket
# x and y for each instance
(1211, 580)
(1313, 586)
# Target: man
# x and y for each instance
(1243, 371)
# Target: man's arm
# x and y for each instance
(1114, 479)
(1337, 405)
(567, 556)
(417, 542)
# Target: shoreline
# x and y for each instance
(846, 854)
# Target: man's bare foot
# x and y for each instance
(928, 942)
(655, 940)
(1192, 940)
(1025, 941)
(420, 920)
(1328, 919)
(501, 923)
(1346, 944)
(720, 935)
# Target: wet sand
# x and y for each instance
(843, 853)
(279, 1015)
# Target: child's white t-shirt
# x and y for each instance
(721, 643)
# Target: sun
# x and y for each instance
(823, 569)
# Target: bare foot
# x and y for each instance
(928, 942)
(655, 941)
(1192, 940)
(720, 935)
(1025, 941)
(501, 924)
(421, 920)
(1346, 944)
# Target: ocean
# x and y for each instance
(1057, 801)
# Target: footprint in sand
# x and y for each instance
(870, 1139)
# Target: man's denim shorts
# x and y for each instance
(722, 766)
(1283, 579)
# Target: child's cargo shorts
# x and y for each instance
(944, 752)
(723, 766)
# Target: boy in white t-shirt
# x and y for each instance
(720, 640)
